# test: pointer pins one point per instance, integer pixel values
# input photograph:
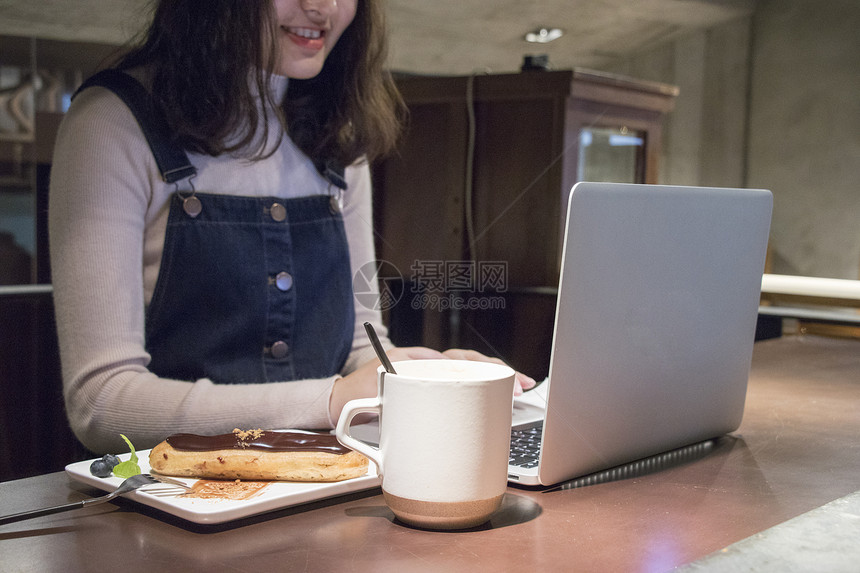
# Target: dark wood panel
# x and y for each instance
(34, 433)
(418, 196)
(516, 187)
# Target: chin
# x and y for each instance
(301, 70)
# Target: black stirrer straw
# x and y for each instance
(377, 346)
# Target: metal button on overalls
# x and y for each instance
(279, 349)
(278, 212)
(284, 281)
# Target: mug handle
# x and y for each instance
(350, 410)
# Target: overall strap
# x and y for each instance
(333, 172)
(171, 159)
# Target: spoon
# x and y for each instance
(377, 347)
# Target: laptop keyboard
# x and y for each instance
(525, 445)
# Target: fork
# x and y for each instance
(130, 484)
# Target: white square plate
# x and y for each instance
(277, 495)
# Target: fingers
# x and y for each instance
(523, 383)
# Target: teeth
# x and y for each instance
(306, 33)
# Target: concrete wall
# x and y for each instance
(774, 101)
(805, 132)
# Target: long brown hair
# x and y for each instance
(208, 62)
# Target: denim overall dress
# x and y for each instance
(250, 289)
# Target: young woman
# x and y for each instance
(218, 294)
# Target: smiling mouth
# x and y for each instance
(306, 33)
(312, 39)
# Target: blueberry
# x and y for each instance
(103, 466)
(100, 468)
(111, 460)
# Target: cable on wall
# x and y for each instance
(470, 164)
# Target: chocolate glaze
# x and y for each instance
(269, 440)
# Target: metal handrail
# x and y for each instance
(18, 291)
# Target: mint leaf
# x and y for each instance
(129, 467)
(131, 447)
(126, 469)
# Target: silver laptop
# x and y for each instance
(654, 327)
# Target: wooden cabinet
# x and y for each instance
(482, 178)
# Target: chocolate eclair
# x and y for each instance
(283, 455)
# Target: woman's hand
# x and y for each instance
(361, 383)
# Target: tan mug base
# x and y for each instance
(442, 515)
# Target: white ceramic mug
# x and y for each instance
(444, 439)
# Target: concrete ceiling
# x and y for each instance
(437, 36)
